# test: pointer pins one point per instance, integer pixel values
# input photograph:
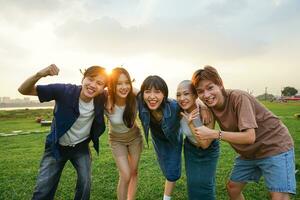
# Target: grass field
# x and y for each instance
(20, 156)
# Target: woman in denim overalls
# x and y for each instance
(161, 116)
(201, 156)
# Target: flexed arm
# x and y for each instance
(28, 87)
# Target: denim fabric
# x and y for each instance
(170, 123)
(200, 166)
(168, 156)
(51, 169)
(66, 112)
(168, 151)
(278, 171)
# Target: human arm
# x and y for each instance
(189, 118)
(205, 114)
(246, 136)
(28, 87)
(109, 104)
(241, 119)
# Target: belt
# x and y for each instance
(71, 146)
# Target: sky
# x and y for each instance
(254, 44)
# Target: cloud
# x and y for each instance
(169, 38)
(235, 35)
(10, 51)
(191, 30)
(25, 13)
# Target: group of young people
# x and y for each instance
(262, 141)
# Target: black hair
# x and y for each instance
(156, 82)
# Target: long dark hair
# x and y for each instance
(158, 83)
(130, 108)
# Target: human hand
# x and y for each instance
(205, 115)
(51, 70)
(189, 117)
(204, 133)
(109, 107)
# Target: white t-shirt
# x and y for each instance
(80, 130)
(116, 123)
(185, 129)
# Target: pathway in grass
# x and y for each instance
(21, 132)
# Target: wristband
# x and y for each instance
(220, 135)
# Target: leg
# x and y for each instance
(200, 167)
(124, 176)
(279, 174)
(134, 158)
(81, 160)
(49, 175)
(279, 196)
(169, 159)
(169, 186)
(243, 172)
(120, 154)
(234, 190)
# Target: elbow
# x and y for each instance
(252, 137)
(204, 144)
(21, 91)
(251, 141)
(25, 91)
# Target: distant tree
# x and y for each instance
(268, 97)
(289, 91)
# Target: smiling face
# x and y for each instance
(186, 98)
(153, 98)
(154, 90)
(210, 93)
(123, 86)
(92, 86)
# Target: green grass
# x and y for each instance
(20, 157)
(23, 120)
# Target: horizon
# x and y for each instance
(252, 44)
(35, 98)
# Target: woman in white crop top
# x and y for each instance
(125, 138)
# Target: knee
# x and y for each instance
(134, 173)
(172, 177)
(84, 175)
(125, 177)
(232, 188)
(84, 179)
(207, 185)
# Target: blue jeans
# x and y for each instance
(168, 156)
(278, 171)
(200, 166)
(51, 169)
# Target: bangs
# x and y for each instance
(208, 73)
(155, 82)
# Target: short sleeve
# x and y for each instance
(50, 92)
(245, 113)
